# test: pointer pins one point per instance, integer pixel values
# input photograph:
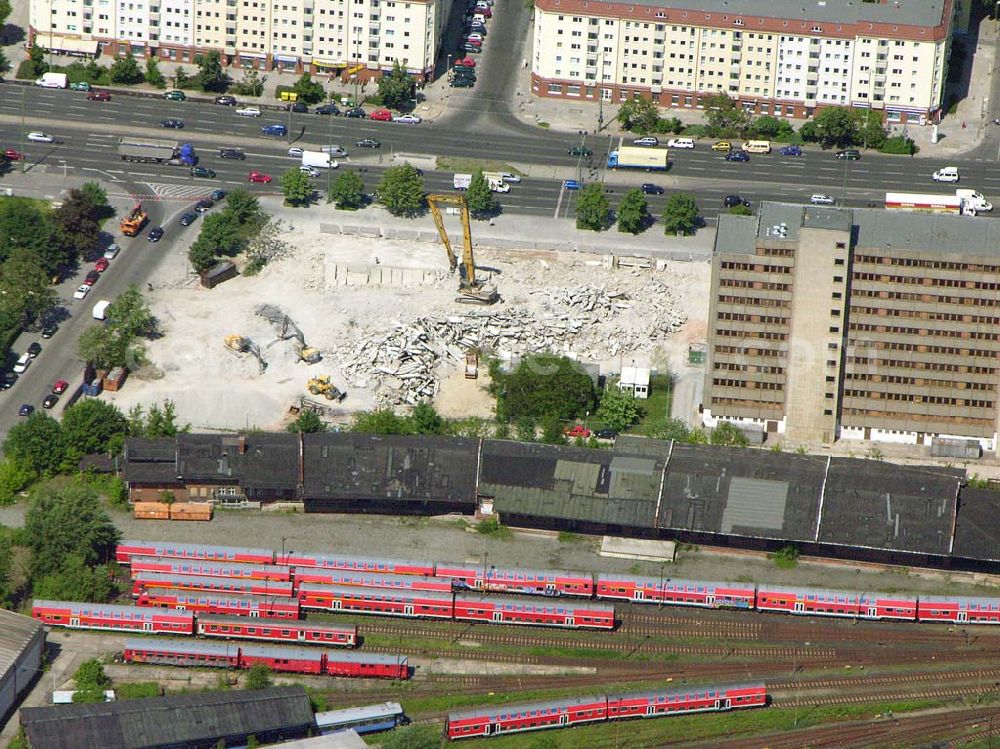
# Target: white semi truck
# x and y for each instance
(962, 203)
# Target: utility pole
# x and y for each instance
(24, 158)
(329, 169)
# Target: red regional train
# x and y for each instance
(313, 633)
(241, 586)
(371, 580)
(203, 602)
(612, 587)
(174, 550)
(497, 721)
(111, 616)
(458, 607)
(281, 658)
(243, 571)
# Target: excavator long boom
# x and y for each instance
(432, 201)
(473, 291)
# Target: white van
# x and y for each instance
(680, 143)
(479, 18)
(757, 146)
(101, 310)
(947, 174)
(52, 80)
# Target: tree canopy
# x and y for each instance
(633, 212)
(680, 215)
(479, 196)
(308, 422)
(296, 187)
(618, 409)
(309, 91)
(67, 521)
(725, 116)
(397, 90)
(211, 75)
(347, 191)
(592, 208)
(36, 443)
(639, 114)
(401, 191)
(543, 385)
(125, 69)
(90, 426)
(117, 343)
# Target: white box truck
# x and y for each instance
(318, 160)
(101, 310)
(52, 80)
(462, 181)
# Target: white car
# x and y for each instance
(648, 140)
(680, 143)
(407, 119)
(512, 179)
(308, 170)
(295, 151)
(248, 112)
(81, 292)
(948, 174)
(22, 363)
(821, 200)
(112, 251)
(39, 137)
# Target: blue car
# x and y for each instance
(571, 184)
(737, 156)
(791, 151)
(274, 130)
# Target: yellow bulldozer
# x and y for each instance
(321, 385)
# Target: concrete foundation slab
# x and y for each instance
(633, 548)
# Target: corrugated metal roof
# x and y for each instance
(16, 633)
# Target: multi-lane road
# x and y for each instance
(88, 132)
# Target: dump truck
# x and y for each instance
(921, 203)
(151, 150)
(132, 224)
(647, 159)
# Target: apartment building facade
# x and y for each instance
(830, 324)
(357, 37)
(777, 57)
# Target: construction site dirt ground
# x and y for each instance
(567, 303)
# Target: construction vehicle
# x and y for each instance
(472, 290)
(244, 345)
(321, 385)
(288, 330)
(471, 365)
(132, 224)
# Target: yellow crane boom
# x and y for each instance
(473, 291)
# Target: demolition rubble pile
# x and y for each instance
(401, 365)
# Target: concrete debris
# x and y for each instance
(588, 322)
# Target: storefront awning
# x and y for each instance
(60, 43)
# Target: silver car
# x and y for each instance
(821, 200)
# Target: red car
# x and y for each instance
(101, 265)
(259, 177)
(11, 154)
(60, 387)
(577, 430)
(465, 62)
(486, 12)
(98, 96)
(477, 43)
(383, 115)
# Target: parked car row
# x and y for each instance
(463, 73)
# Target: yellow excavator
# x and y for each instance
(321, 385)
(243, 345)
(472, 290)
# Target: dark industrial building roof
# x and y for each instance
(528, 479)
(175, 722)
(740, 492)
(16, 634)
(977, 532)
(909, 508)
(362, 466)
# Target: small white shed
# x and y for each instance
(635, 380)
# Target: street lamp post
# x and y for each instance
(329, 169)
(24, 103)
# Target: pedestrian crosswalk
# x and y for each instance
(170, 191)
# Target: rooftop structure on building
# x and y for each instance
(22, 646)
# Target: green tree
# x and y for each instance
(181, 78)
(201, 255)
(380, 421)
(308, 422)
(37, 57)
(617, 409)
(36, 443)
(97, 200)
(211, 75)
(673, 429)
(15, 475)
(259, 676)
(479, 196)
(243, 207)
(401, 191)
(25, 289)
(769, 126)
(252, 84)
(543, 385)
(347, 191)
(23, 226)
(296, 187)
(89, 426)
(397, 90)
(223, 233)
(552, 431)
(640, 115)
(91, 674)
(680, 215)
(308, 90)
(740, 210)
(836, 127)
(871, 133)
(809, 132)
(727, 434)
(67, 521)
(162, 421)
(125, 69)
(154, 77)
(524, 429)
(413, 737)
(633, 212)
(130, 314)
(725, 116)
(426, 420)
(75, 580)
(592, 208)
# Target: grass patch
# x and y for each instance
(656, 408)
(543, 124)
(463, 165)
(137, 690)
(568, 537)
(785, 558)
(495, 529)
